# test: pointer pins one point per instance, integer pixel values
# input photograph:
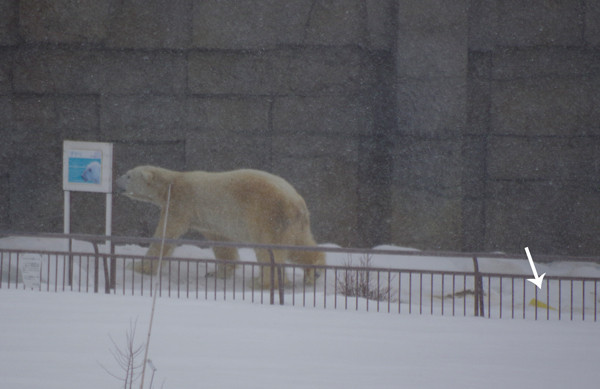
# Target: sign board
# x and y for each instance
(87, 166)
(31, 266)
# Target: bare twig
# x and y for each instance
(126, 358)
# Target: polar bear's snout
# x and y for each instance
(122, 183)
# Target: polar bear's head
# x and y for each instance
(91, 173)
(145, 183)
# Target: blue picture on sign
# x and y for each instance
(85, 170)
(87, 166)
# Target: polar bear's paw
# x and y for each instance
(145, 267)
(222, 272)
(310, 276)
(264, 281)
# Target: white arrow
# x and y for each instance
(537, 281)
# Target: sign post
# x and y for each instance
(87, 167)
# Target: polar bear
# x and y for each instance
(91, 173)
(241, 205)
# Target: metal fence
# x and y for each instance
(412, 282)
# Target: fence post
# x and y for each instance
(96, 270)
(281, 285)
(279, 280)
(272, 278)
(70, 270)
(95, 244)
(113, 273)
(478, 305)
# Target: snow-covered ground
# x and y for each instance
(63, 340)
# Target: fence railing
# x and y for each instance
(412, 282)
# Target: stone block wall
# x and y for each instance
(431, 85)
(533, 119)
(462, 125)
(288, 87)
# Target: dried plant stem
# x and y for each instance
(156, 283)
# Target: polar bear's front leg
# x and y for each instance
(223, 254)
(173, 230)
(226, 254)
(150, 265)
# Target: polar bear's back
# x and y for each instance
(260, 189)
(247, 199)
(257, 180)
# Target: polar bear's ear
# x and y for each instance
(146, 175)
